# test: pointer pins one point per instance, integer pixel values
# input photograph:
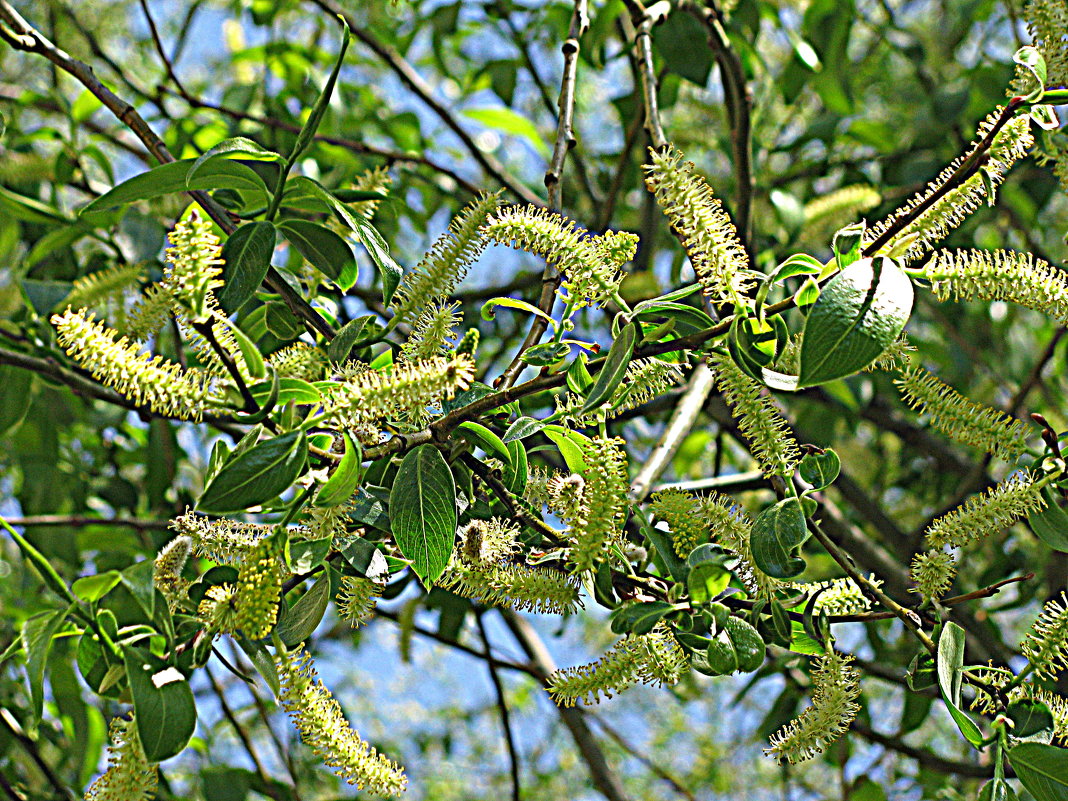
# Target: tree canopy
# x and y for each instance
(493, 359)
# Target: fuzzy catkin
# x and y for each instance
(604, 503)
(962, 419)
(1046, 645)
(129, 776)
(835, 690)
(323, 727)
(771, 441)
(987, 513)
(711, 241)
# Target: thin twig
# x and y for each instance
(642, 22)
(565, 128)
(502, 705)
(80, 522)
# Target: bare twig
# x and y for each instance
(80, 522)
(641, 22)
(565, 129)
(502, 705)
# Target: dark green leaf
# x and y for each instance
(324, 250)
(846, 244)
(614, 369)
(247, 253)
(997, 790)
(777, 535)
(485, 439)
(170, 178)
(422, 510)
(522, 428)
(363, 558)
(139, 580)
(304, 616)
(257, 475)
(163, 702)
(16, 393)
(303, 556)
(347, 336)
(639, 618)
(820, 469)
(515, 469)
(1043, 769)
(261, 659)
(1051, 523)
(859, 313)
(1030, 718)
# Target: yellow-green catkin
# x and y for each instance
(445, 264)
(129, 776)
(590, 265)
(356, 599)
(299, 360)
(771, 441)
(151, 381)
(167, 570)
(259, 587)
(227, 542)
(406, 387)
(711, 241)
(682, 513)
(840, 596)
(915, 239)
(826, 214)
(432, 331)
(107, 290)
(653, 658)
(1019, 278)
(218, 611)
(604, 503)
(194, 268)
(1046, 645)
(959, 418)
(932, 572)
(323, 727)
(987, 513)
(835, 690)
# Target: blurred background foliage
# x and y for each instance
(449, 99)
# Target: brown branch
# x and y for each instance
(80, 522)
(565, 130)
(642, 23)
(502, 706)
(922, 755)
(23, 36)
(418, 85)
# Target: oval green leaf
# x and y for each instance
(422, 511)
(1043, 770)
(247, 253)
(859, 313)
(777, 534)
(163, 702)
(305, 615)
(614, 370)
(324, 250)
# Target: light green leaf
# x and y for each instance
(507, 121)
(950, 674)
(572, 446)
(485, 439)
(346, 476)
(37, 634)
(93, 588)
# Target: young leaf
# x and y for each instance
(485, 439)
(777, 534)
(347, 336)
(93, 588)
(521, 428)
(256, 475)
(247, 253)
(261, 659)
(345, 478)
(1051, 523)
(235, 147)
(820, 469)
(422, 510)
(163, 702)
(950, 674)
(304, 616)
(169, 178)
(324, 250)
(858, 315)
(303, 556)
(571, 445)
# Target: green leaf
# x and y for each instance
(507, 121)
(323, 249)
(820, 469)
(170, 178)
(139, 579)
(859, 313)
(515, 469)
(422, 511)
(488, 307)
(347, 336)
(305, 615)
(521, 428)
(706, 581)
(261, 659)
(311, 125)
(1050, 524)
(93, 588)
(639, 618)
(950, 674)
(37, 634)
(236, 147)
(797, 264)
(997, 790)
(163, 703)
(614, 369)
(302, 556)
(290, 390)
(1030, 719)
(247, 253)
(777, 535)
(367, 234)
(16, 393)
(1043, 770)
(345, 478)
(257, 475)
(572, 446)
(362, 558)
(847, 244)
(485, 439)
